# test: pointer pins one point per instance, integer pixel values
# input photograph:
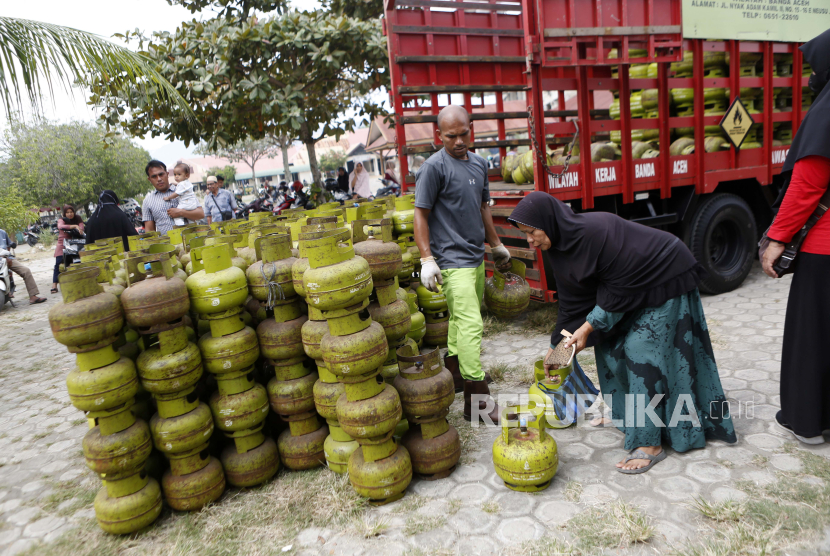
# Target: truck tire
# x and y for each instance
(722, 237)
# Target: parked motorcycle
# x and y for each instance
(260, 204)
(6, 283)
(341, 196)
(32, 235)
(72, 247)
(389, 188)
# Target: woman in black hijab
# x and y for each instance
(342, 179)
(631, 291)
(109, 221)
(805, 368)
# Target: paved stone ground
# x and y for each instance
(40, 447)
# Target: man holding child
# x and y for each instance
(167, 203)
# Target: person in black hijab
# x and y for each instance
(109, 220)
(805, 368)
(631, 291)
(342, 179)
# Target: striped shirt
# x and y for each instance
(154, 208)
(215, 204)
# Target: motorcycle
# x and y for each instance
(72, 247)
(32, 235)
(257, 205)
(6, 283)
(389, 188)
(282, 202)
(342, 196)
(300, 199)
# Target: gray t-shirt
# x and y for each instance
(454, 190)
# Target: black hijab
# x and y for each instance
(343, 181)
(109, 221)
(813, 137)
(601, 259)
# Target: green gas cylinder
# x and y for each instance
(88, 315)
(336, 278)
(524, 457)
(219, 286)
(507, 294)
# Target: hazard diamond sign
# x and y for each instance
(737, 122)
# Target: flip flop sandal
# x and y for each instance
(38, 300)
(54, 290)
(639, 454)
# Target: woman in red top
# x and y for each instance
(805, 368)
(70, 221)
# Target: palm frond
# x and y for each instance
(35, 55)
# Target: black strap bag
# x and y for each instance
(226, 214)
(786, 263)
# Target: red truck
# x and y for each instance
(572, 64)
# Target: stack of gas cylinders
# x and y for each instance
(229, 351)
(302, 323)
(104, 384)
(427, 391)
(354, 349)
(170, 367)
(434, 327)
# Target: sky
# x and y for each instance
(104, 18)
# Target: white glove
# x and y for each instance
(501, 256)
(431, 274)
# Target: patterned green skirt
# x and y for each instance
(657, 371)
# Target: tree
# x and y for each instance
(228, 172)
(360, 9)
(284, 143)
(332, 160)
(15, 214)
(33, 55)
(249, 151)
(53, 164)
(298, 74)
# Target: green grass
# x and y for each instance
(490, 507)
(616, 525)
(510, 374)
(409, 503)
(469, 436)
(573, 491)
(417, 523)
(81, 494)
(728, 510)
(785, 514)
(368, 527)
(256, 522)
(540, 318)
(493, 325)
(453, 505)
(546, 546)
(759, 460)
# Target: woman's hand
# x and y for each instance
(580, 337)
(772, 254)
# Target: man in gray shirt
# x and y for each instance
(452, 220)
(157, 213)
